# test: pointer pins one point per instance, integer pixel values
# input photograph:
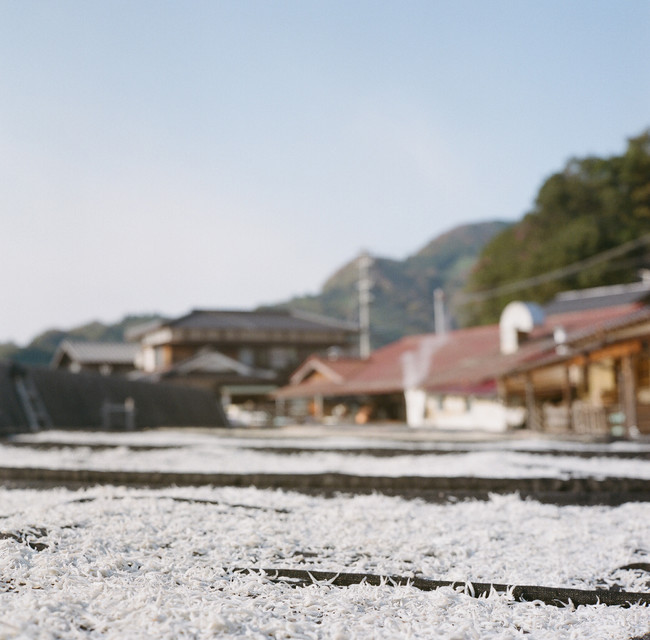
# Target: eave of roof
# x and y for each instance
(273, 319)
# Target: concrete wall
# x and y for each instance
(466, 413)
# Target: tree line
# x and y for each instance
(593, 205)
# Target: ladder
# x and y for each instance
(32, 403)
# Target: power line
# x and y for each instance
(508, 288)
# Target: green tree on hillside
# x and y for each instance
(593, 205)
(402, 291)
(42, 348)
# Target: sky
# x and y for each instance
(164, 155)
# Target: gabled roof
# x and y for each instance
(609, 323)
(335, 370)
(136, 332)
(466, 361)
(92, 353)
(217, 366)
(213, 362)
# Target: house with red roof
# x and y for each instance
(572, 369)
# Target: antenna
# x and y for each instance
(364, 304)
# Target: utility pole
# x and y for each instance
(364, 304)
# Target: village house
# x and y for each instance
(240, 356)
(497, 377)
(394, 383)
(594, 379)
(444, 381)
(103, 357)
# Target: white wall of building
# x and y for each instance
(455, 412)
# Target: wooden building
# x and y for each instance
(240, 355)
(277, 340)
(594, 379)
(576, 370)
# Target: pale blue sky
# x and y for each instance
(163, 155)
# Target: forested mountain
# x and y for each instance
(402, 291)
(591, 206)
(402, 295)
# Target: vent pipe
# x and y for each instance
(517, 322)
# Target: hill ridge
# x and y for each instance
(402, 293)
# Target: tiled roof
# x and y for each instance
(465, 361)
(610, 324)
(262, 320)
(583, 337)
(96, 352)
(579, 320)
(476, 359)
(213, 362)
(599, 297)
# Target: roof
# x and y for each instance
(466, 361)
(581, 339)
(213, 362)
(406, 363)
(86, 352)
(610, 324)
(476, 358)
(599, 297)
(136, 332)
(288, 320)
(336, 370)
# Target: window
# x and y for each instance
(246, 356)
(281, 357)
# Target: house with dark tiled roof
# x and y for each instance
(239, 355)
(103, 357)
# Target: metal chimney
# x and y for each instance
(439, 311)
